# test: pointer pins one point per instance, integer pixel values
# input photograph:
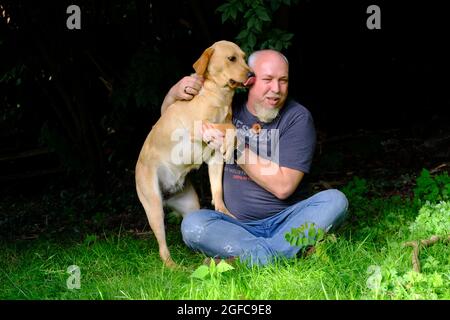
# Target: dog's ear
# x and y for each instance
(201, 64)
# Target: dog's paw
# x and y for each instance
(224, 210)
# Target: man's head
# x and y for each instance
(269, 91)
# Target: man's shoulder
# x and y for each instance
(294, 110)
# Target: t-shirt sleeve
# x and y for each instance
(297, 142)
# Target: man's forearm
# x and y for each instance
(185, 89)
(279, 181)
(168, 100)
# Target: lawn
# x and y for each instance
(365, 259)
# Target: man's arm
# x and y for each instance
(280, 181)
(185, 89)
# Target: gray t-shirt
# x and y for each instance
(289, 140)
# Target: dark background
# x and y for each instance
(76, 105)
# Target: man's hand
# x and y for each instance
(185, 89)
(212, 136)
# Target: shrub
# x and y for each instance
(433, 219)
(429, 188)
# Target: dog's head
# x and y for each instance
(224, 63)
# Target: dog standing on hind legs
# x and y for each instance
(159, 170)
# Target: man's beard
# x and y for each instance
(266, 114)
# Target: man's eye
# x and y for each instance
(232, 58)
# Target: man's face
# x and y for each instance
(270, 89)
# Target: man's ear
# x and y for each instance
(201, 64)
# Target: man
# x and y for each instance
(262, 188)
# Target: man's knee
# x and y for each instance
(339, 203)
(338, 199)
(193, 225)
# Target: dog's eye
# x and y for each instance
(232, 58)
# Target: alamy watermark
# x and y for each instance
(188, 151)
(374, 280)
(74, 280)
(74, 20)
(374, 20)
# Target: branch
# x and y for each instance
(424, 243)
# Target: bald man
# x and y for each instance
(263, 185)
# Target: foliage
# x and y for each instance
(306, 235)
(212, 270)
(433, 219)
(356, 188)
(356, 192)
(255, 20)
(429, 188)
(410, 285)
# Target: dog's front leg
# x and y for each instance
(215, 171)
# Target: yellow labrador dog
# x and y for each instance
(165, 161)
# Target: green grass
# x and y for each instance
(123, 266)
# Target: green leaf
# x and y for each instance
(90, 239)
(212, 267)
(262, 13)
(304, 242)
(201, 272)
(223, 7)
(224, 267)
(287, 36)
(288, 238)
(248, 14)
(274, 5)
(233, 13)
(225, 16)
(258, 26)
(251, 40)
(240, 6)
(242, 35)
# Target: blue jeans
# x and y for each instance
(259, 242)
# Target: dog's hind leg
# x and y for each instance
(185, 201)
(150, 196)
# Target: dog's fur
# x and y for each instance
(223, 68)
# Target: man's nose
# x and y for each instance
(275, 86)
